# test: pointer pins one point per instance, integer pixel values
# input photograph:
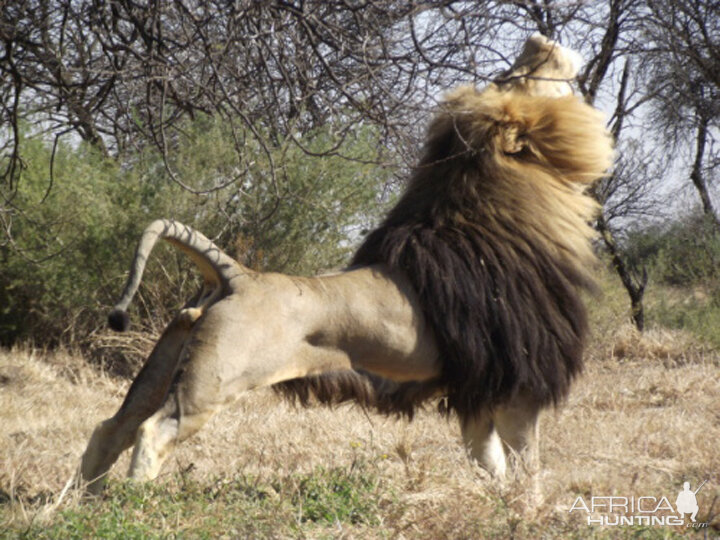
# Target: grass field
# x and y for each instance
(643, 418)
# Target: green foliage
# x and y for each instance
(235, 507)
(684, 253)
(337, 495)
(300, 204)
(683, 262)
(73, 234)
(697, 313)
(62, 242)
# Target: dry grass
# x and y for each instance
(657, 344)
(644, 417)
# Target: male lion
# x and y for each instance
(470, 289)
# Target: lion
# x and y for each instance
(468, 291)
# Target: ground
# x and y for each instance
(644, 418)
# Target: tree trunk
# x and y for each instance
(634, 284)
(696, 174)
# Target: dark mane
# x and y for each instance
(367, 390)
(498, 286)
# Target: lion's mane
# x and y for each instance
(492, 232)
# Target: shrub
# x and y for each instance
(684, 253)
(73, 235)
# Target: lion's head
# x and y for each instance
(543, 68)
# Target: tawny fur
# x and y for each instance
(469, 289)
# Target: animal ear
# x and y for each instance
(513, 139)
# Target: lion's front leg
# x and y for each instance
(518, 424)
(513, 426)
(483, 443)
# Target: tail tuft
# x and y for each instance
(119, 320)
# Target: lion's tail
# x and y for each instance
(217, 267)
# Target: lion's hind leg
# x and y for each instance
(107, 442)
(160, 433)
(147, 393)
(195, 394)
